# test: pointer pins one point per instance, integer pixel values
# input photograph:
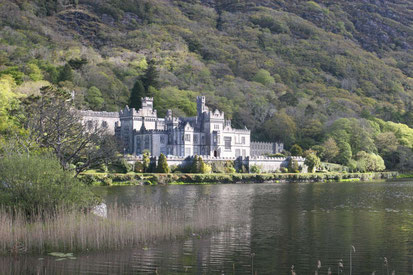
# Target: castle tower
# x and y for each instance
(200, 105)
(147, 103)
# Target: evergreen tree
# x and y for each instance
(196, 165)
(146, 162)
(66, 74)
(162, 165)
(150, 79)
(138, 91)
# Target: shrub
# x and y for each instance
(255, 169)
(38, 183)
(162, 165)
(139, 167)
(293, 166)
(121, 166)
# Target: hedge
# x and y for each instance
(105, 179)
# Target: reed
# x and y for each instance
(66, 230)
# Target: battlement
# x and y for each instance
(98, 114)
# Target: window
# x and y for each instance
(237, 153)
(89, 125)
(244, 153)
(187, 137)
(195, 139)
(227, 143)
(216, 126)
(163, 139)
(146, 142)
(104, 124)
(215, 139)
(203, 140)
(243, 140)
(187, 151)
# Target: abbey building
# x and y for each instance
(207, 134)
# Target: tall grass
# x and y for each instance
(67, 230)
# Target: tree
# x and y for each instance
(77, 63)
(53, 123)
(344, 155)
(162, 165)
(34, 72)
(66, 73)
(367, 162)
(94, 98)
(312, 161)
(150, 78)
(146, 161)
(281, 128)
(138, 91)
(196, 165)
(331, 149)
(296, 150)
(264, 77)
(37, 184)
(293, 166)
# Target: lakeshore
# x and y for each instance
(108, 179)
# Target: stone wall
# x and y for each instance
(265, 148)
(101, 119)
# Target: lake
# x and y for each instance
(271, 228)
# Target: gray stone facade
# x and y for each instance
(206, 134)
(266, 148)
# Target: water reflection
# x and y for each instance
(273, 227)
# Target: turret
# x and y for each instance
(200, 105)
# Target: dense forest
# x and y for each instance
(331, 76)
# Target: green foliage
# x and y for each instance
(344, 154)
(146, 161)
(296, 150)
(38, 183)
(163, 165)
(77, 63)
(312, 161)
(264, 77)
(369, 162)
(139, 167)
(137, 93)
(66, 73)
(226, 167)
(94, 98)
(15, 73)
(293, 166)
(254, 169)
(34, 72)
(121, 166)
(150, 78)
(331, 150)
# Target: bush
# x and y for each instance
(38, 183)
(223, 167)
(293, 166)
(255, 169)
(162, 165)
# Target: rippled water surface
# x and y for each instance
(273, 226)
